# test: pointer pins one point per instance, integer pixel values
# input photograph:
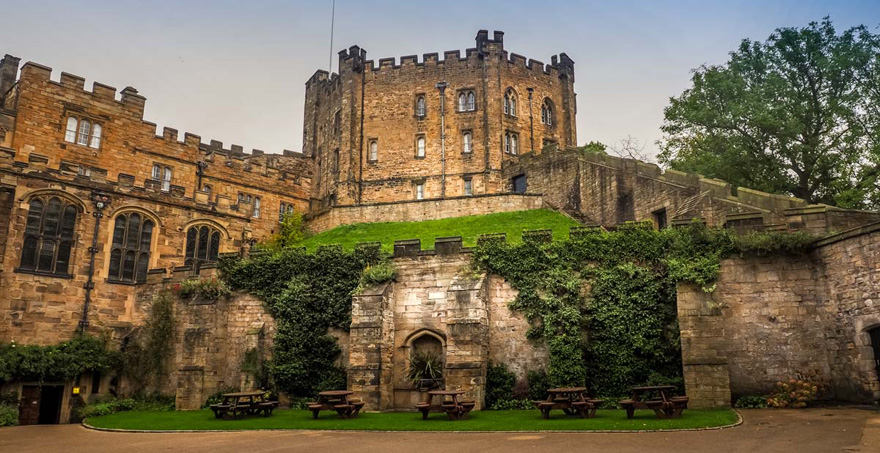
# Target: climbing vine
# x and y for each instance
(604, 302)
(306, 293)
(63, 361)
(145, 354)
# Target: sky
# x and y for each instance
(235, 71)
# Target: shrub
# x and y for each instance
(511, 405)
(793, 394)
(424, 365)
(751, 402)
(8, 415)
(292, 232)
(378, 273)
(209, 289)
(111, 405)
(499, 385)
(539, 382)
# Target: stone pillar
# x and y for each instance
(368, 347)
(467, 330)
(703, 348)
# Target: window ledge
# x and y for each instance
(419, 157)
(122, 282)
(19, 270)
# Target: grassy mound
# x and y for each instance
(523, 420)
(469, 228)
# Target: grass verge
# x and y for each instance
(469, 228)
(521, 420)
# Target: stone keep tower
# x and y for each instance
(432, 128)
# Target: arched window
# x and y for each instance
(547, 112)
(48, 236)
(513, 144)
(206, 188)
(420, 147)
(130, 252)
(202, 246)
(507, 143)
(471, 102)
(468, 144)
(462, 102)
(510, 102)
(85, 127)
(466, 101)
(421, 110)
(510, 143)
(281, 211)
(70, 133)
(374, 150)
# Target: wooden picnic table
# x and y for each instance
(665, 404)
(336, 400)
(241, 403)
(449, 403)
(572, 401)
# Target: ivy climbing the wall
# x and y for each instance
(306, 293)
(60, 362)
(604, 302)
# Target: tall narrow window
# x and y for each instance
(547, 112)
(513, 144)
(468, 187)
(420, 191)
(471, 101)
(281, 211)
(70, 133)
(374, 150)
(510, 102)
(467, 142)
(337, 122)
(85, 128)
(130, 252)
(48, 236)
(506, 104)
(421, 109)
(462, 102)
(420, 147)
(256, 213)
(202, 246)
(96, 137)
(507, 143)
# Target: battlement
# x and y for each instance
(129, 99)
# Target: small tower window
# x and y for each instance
(547, 112)
(163, 174)
(420, 146)
(85, 128)
(70, 133)
(466, 101)
(374, 151)
(421, 109)
(83, 132)
(420, 191)
(467, 142)
(510, 102)
(468, 187)
(337, 122)
(471, 101)
(511, 145)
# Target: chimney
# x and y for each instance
(8, 73)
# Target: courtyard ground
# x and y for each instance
(810, 430)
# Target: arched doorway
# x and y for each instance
(424, 348)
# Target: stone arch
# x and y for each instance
(73, 199)
(427, 341)
(209, 222)
(867, 342)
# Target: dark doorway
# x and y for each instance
(875, 344)
(519, 184)
(41, 404)
(660, 218)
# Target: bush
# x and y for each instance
(8, 415)
(379, 273)
(793, 394)
(110, 405)
(499, 385)
(9, 398)
(751, 402)
(511, 405)
(211, 289)
(539, 382)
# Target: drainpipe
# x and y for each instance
(100, 201)
(531, 120)
(442, 87)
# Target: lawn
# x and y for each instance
(522, 420)
(469, 228)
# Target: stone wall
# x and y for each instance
(790, 316)
(507, 333)
(412, 211)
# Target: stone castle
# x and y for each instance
(98, 211)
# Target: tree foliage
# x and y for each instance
(63, 361)
(798, 113)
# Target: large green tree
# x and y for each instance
(798, 114)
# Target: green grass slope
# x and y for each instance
(469, 228)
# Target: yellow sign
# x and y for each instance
(76, 390)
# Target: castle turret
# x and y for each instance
(8, 71)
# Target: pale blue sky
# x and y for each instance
(235, 70)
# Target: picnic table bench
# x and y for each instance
(454, 409)
(572, 401)
(665, 405)
(243, 403)
(336, 400)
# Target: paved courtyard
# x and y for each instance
(812, 430)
